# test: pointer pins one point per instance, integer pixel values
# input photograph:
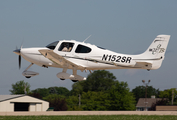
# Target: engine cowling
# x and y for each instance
(29, 74)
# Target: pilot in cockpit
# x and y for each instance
(65, 48)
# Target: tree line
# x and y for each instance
(101, 91)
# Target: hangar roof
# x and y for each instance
(7, 97)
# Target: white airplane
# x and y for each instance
(71, 54)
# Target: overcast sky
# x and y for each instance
(123, 26)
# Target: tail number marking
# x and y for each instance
(115, 58)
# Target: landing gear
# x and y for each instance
(63, 75)
(28, 77)
(29, 74)
(74, 77)
(74, 80)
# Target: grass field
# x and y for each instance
(92, 117)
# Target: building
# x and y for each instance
(145, 104)
(166, 108)
(11, 103)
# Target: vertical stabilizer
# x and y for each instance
(158, 47)
(155, 54)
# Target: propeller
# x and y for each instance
(19, 61)
(18, 52)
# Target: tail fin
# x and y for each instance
(156, 51)
(158, 47)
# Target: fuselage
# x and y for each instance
(71, 54)
(85, 54)
(92, 57)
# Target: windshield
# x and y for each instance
(52, 45)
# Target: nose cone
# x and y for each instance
(32, 55)
(17, 51)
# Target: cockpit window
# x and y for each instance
(82, 49)
(52, 45)
(66, 47)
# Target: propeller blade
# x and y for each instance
(18, 52)
(19, 60)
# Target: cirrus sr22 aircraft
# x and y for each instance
(71, 54)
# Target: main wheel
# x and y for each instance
(28, 76)
(74, 80)
(62, 79)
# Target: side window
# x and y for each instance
(66, 47)
(82, 49)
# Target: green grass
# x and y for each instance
(92, 117)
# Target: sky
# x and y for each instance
(122, 26)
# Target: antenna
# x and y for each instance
(87, 38)
(22, 43)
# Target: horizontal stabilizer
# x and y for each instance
(143, 64)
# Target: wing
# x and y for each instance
(58, 59)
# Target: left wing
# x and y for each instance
(58, 59)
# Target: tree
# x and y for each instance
(101, 91)
(100, 80)
(43, 92)
(139, 92)
(168, 94)
(61, 91)
(117, 98)
(121, 98)
(92, 100)
(19, 87)
(77, 88)
(36, 95)
(56, 101)
(73, 103)
(52, 90)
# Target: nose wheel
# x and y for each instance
(29, 74)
